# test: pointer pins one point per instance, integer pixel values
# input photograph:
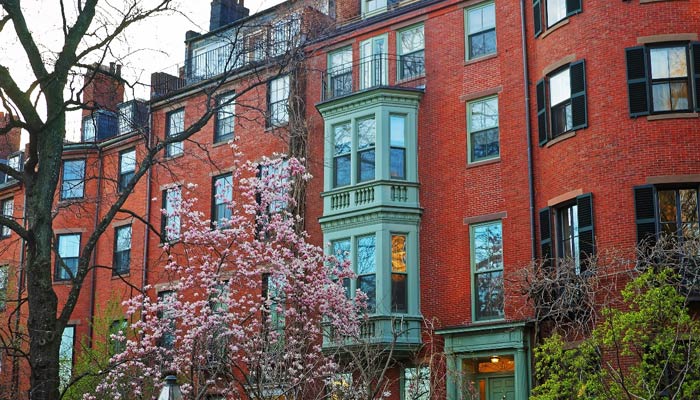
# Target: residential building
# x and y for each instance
(451, 142)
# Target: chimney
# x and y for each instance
(102, 88)
(224, 12)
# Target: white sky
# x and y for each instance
(153, 45)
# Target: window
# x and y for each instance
(278, 95)
(399, 274)
(14, 161)
(341, 154)
(117, 336)
(371, 6)
(7, 209)
(175, 126)
(73, 183)
(224, 118)
(416, 383)
(397, 152)
(170, 225)
(68, 255)
(122, 250)
(127, 167)
(341, 251)
(366, 140)
(373, 62)
(65, 356)
(481, 30)
(275, 175)
(284, 35)
(273, 293)
(4, 276)
(411, 48)
(666, 210)
(561, 102)
(256, 46)
(89, 128)
(125, 118)
(166, 301)
(487, 270)
(221, 201)
(555, 11)
(482, 118)
(573, 232)
(366, 269)
(340, 72)
(660, 79)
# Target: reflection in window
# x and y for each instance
(73, 182)
(399, 274)
(223, 195)
(569, 242)
(175, 126)
(556, 11)
(678, 213)
(122, 250)
(65, 356)
(340, 72)
(397, 156)
(411, 53)
(127, 167)
(481, 31)
(341, 251)
(341, 154)
(278, 109)
(560, 102)
(669, 78)
(416, 383)
(366, 269)
(483, 129)
(170, 228)
(487, 258)
(366, 136)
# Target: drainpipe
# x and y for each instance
(95, 250)
(528, 128)
(146, 232)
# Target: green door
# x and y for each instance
(502, 388)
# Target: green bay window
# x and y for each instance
(399, 274)
(397, 152)
(341, 251)
(487, 270)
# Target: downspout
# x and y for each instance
(528, 128)
(95, 250)
(146, 232)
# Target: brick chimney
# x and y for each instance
(224, 12)
(347, 10)
(102, 88)
(9, 142)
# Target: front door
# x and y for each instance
(502, 388)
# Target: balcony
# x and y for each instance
(379, 70)
(401, 333)
(368, 195)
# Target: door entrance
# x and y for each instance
(502, 388)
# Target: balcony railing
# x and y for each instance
(373, 71)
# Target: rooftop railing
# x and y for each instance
(373, 71)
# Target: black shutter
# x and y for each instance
(542, 112)
(577, 73)
(545, 237)
(163, 217)
(645, 215)
(695, 54)
(637, 84)
(3, 177)
(573, 7)
(537, 13)
(586, 235)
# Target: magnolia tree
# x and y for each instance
(247, 303)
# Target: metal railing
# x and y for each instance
(373, 71)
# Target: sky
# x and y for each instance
(153, 45)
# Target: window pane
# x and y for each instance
(397, 126)
(484, 114)
(342, 139)
(398, 253)
(341, 169)
(556, 11)
(366, 263)
(366, 165)
(488, 247)
(679, 95)
(74, 170)
(668, 63)
(689, 205)
(484, 144)
(411, 40)
(397, 163)
(341, 250)
(474, 20)
(399, 293)
(661, 93)
(366, 133)
(416, 383)
(368, 285)
(489, 16)
(559, 87)
(123, 240)
(489, 301)
(127, 161)
(176, 122)
(65, 356)
(68, 245)
(667, 205)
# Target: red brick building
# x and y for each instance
(451, 143)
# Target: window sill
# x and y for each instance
(122, 275)
(168, 158)
(684, 115)
(274, 127)
(66, 282)
(221, 143)
(482, 58)
(410, 79)
(554, 27)
(484, 162)
(488, 321)
(560, 138)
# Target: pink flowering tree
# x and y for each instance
(247, 301)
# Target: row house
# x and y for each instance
(451, 143)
